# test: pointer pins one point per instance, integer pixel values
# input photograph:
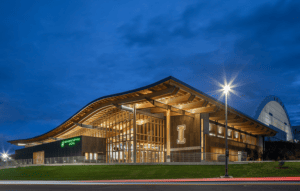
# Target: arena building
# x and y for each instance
(272, 113)
(148, 125)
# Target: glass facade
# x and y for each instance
(118, 130)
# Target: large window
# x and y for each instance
(118, 128)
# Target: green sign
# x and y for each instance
(70, 142)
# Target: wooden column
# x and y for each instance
(204, 133)
(134, 134)
(168, 115)
(197, 123)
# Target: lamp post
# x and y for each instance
(226, 90)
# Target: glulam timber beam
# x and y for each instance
(245, 123)
(81, 116)
(168, 91)
(180, 99)
(222, 119)
(244, 126)
(144, 105)
(254, 131)
(109, 112)
(56, 139)
(248, 128)
(158, 104)
(232, 121)
(211, 109)
(158, 110)
(161, 108)
(192, 105)
(96, 127)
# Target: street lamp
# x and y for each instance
(4, 156)
(226, 90)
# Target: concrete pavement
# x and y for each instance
(151, 187)
(158, 181)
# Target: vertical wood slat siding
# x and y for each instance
(191, 134)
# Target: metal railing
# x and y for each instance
(74, 159)
(54, 160)
(175, 157)
(206, 157)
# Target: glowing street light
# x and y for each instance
(4, 155)
(226, 89)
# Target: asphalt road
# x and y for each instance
(241, 187)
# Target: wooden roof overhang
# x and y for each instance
(169, 93)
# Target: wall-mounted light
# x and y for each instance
(229, 132)
(220, 130)
(236, 135)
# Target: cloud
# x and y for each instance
(161, 29)
(297, 81)
(267, 34)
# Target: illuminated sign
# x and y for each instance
(180, 129)
(70, 142)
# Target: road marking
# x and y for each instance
(141, 183)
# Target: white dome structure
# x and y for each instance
(272, 112)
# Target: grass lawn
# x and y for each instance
(101, 172)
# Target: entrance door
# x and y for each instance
(38, 157)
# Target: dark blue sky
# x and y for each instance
(57, 56)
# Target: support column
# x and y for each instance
(134, 134)
(264, 146)
(197, 123)
(260, 144)
(168, 116)
(204, 132)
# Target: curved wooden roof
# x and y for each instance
(168, 93)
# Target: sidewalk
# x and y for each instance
(216, 181)
(133, 164)
(253, 179)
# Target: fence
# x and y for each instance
(75, 159)
(175, 157)
(54, 160)
(206, 157)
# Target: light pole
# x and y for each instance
(226, 90)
